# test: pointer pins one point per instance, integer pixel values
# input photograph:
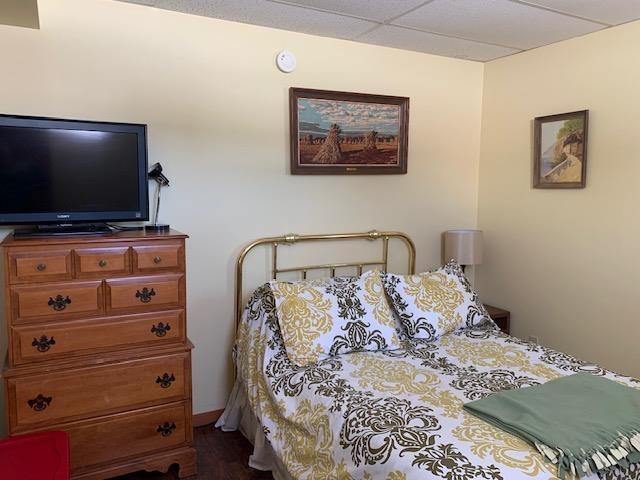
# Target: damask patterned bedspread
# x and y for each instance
(397, 415)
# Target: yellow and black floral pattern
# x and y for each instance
(434, 303)
(324, 317)
(396, 414)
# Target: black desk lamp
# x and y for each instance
(155, 173)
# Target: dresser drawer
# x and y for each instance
(128, 435)
(32, 343)
(96, 262)
(56, 300)
(145, 293)
(40, 266)
(74, 393)
(158, 257)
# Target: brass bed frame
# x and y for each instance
(293, 238)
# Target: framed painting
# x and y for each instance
(560, 150)
(347, 133)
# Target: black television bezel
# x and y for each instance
(48, 218)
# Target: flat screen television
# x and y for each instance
(55, 171)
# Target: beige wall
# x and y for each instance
(218, 121)
(566, 262)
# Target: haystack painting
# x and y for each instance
(347, 133)
(560, 150)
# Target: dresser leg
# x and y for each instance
(188, 465)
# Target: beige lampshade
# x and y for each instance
(463, 246)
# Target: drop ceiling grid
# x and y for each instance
(269, 14)
(499, 22)
(609, 12)
(382, 13)
(479, 30)
(409, 39)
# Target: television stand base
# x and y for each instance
(157, 227)
(58, 230)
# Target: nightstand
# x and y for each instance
(501, 317)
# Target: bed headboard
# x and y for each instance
(292, 238)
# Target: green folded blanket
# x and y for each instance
(583, 423)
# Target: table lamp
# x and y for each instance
(463, 246)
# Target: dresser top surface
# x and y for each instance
(124, 236)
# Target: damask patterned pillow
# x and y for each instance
(433, 303)
(325, 317)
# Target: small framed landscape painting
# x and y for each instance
(347, 133)
(560, 150)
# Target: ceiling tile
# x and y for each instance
(371, 9)
(613, 12)
(496, 21)
(268, 14)
(407, 39)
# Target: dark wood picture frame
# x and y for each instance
(299, 167)
(579, 139)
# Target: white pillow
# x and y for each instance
(325, 317)
(433, 303)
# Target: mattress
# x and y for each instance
(393, 415)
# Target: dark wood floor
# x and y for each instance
(221, 456)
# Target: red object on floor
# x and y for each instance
(38, 456)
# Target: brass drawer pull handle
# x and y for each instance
(165, 380)
(157, 260)
(43, 343)
(161, 329)
(166, 429)
(41, 267)
(39, 403)
(145, 295)
(59, 303)
(102, 263)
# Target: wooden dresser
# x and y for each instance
(98, 348)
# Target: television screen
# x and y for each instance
(63, 171)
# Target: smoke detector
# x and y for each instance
(286, 61)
